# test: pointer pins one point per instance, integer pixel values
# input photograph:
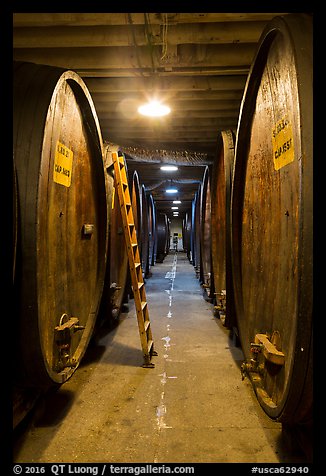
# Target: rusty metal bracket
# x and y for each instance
(88, 229)
(252, 366)
(115, 287)
(265, 347)
(221, 305)
(63, 335)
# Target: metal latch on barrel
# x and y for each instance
(87, 229)
(265, 346)
(221, 301)
(63, 335)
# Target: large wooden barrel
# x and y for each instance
(144, 232)
(186, 234)
(139, 208)
(197, 232)
(206, 266)
(62, 221)
(144, 219)
(221, 227)
(163, 236)
(135, 195)
(152, 243)
(117, 269)
(193, 230)
(272, 220)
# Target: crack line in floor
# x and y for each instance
(161, 409)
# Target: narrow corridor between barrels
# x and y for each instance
(191, 407)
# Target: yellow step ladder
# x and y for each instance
(138, 285)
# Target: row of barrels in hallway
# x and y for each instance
(70, 266)
(249, 233)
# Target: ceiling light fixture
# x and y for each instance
(176, 201)
(169, 168)
(154, 109)
(174, 208)
(171, 190)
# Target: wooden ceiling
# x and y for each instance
(197, 63)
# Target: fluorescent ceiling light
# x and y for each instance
(154, 109)
(174, 208)
(169, 168)
(176, 201)
(171, 190)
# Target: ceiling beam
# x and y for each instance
(204, 136)
(163, 71)
(198, 56)
(177, 96)
(185, 122)
(196, 83)
(92, 19)
(132, 35)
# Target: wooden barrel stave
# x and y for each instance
(186, 233)
(144, 231)
(151, 231)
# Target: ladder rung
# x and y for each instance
(147, 324)
(134, 244)
(140, 285)
(137, 265)
(149, 346)
(143, 304)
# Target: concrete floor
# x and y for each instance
(192, 407)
